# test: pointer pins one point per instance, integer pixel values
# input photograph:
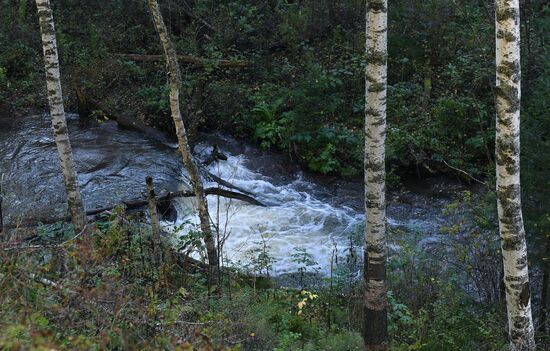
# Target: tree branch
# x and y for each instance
(197, 61)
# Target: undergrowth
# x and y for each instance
(103, 291)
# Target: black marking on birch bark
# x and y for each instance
(507, 152)
(505, 193)
(512, 167)
(377, 178)
(510, 69)
(509, 93)
(377, 122)
(62, 129)
(375, 166)
(519, 322)
(377, 6)
(525, 295)
(506, 35)
(377, 58)
(512, 132)
(376, 87)
(514, 279)
(522, 261)
(503, 14)
(378, 250)
(372, 112)
(371, 79)
(57, 100)
(512, 244)
(374, 204)
(517, 333)
(510, 226)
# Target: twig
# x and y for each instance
(465, 173)
(179, 322)
(50, 283)
(189, 11)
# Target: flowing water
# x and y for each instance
(303, 211)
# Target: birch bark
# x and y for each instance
(507, 149)
(375, 299)
(188, 160)
(57, 113)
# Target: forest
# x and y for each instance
(275, 175)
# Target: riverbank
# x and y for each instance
(104, 291)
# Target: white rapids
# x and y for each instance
(293, 219)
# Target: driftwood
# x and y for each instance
(214, 156)
(196, 61)
(138, 203)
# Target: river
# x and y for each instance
(319, 215)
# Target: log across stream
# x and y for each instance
(302, 211)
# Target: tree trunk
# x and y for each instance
(375, 299)
(57, 112)
(189, 162)
(155, 223)
(507, 149)
(543, 313)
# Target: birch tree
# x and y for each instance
(183, 143)
(514, 247)
(57, 113)
(375, 299)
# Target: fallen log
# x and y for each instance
(86, 104)
(227, 184)
(135, 204)
(138, 203)
(197, 61)
(127, 122)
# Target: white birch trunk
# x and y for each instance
(375, 299)
(57, 112)
(514, 247)
(189, 162)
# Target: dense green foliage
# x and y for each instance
(303, 90)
